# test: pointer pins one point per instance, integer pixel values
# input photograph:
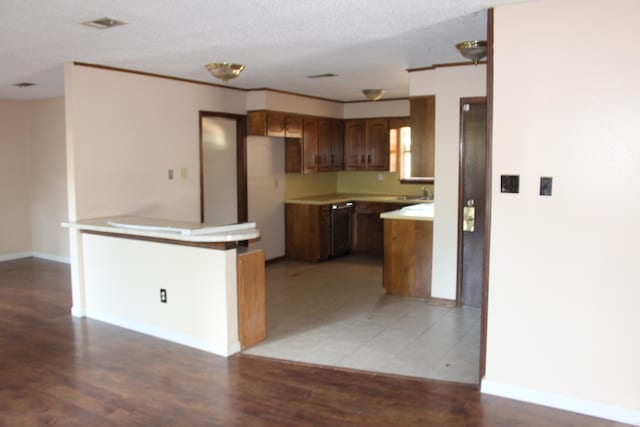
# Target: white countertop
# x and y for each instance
(419, 212)
(167, 229)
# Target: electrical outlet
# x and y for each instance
(183, 173)
(163, 296)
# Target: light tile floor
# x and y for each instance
(336, 313)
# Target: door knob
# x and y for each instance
(469, 216)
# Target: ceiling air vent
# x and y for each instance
(24, 84)
(321, 76)
(103, 23)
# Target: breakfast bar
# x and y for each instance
(180, 281)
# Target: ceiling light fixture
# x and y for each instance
(373, 94)
(474, 50)
(224, 71)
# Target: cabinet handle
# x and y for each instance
(369, 158)
(283, 125)
(362, 161)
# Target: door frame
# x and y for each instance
(461, 170)
(241, 161)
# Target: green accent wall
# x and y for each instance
(303, 185)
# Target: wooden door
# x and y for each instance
(472, 191)
(310, 145)
(337, 145)
(354, 144)
(324, 145)
(377, 148)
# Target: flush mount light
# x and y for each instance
(24, 84)
(373, 94)
(474, 50)
(224, 70)
(103, 23)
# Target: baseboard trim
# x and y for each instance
(566, 403)
(78, 311)
(232, 348)
(19, 255)
(56, 258)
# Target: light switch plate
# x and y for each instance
(545, 185)
(509, 183)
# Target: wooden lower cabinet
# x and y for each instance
(408, 247)
(307, 231)
(252, 325)
(368, 228)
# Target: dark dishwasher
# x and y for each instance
(340, 229)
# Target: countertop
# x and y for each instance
(327, 199)
(419, 212)
(166, 229)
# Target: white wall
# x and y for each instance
(15, 226)
(448, 84)
(48, 191)
(201, 307)
(564, 288)
(125, 131)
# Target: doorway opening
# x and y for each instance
(223, 168)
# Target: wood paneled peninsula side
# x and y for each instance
(184, 282)
(408, 248)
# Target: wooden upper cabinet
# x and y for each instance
(310, 145)
(377, 141)
(423, 134)
(324, 145)
(274, 123)
(354, 144)
(337, 145)
(367, 144)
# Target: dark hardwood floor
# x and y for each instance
(59, 370)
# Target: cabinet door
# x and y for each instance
(337, 145)
(310, 145)
(368, 227)
(275, 123)
(307, 232)
(257, 123)
(292, 155)
(324, 145)
(377, 137)
(293, 126)
(354, 144)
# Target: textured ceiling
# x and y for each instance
(367, 43)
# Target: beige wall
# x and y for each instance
(564, 288)
(125, 131)
(448, 84)
(15, 227)
(370, 183)
(48, 179)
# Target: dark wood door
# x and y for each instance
(354, 144)
(377, 138)
(473, 142)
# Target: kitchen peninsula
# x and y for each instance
(184, 282)
(408, 249)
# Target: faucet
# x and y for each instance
(427, 194)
